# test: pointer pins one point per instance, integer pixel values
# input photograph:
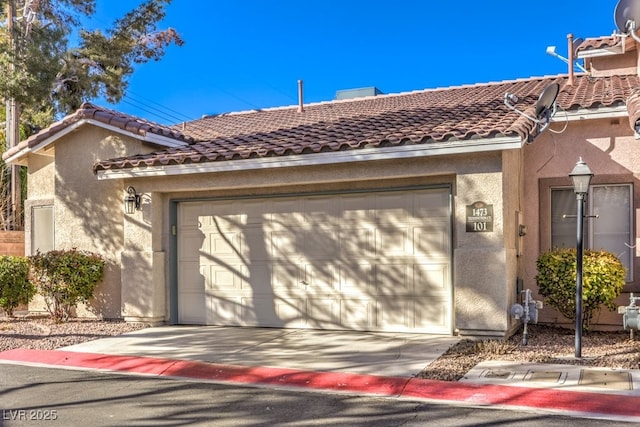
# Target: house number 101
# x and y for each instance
(479, 217)
(479, 226)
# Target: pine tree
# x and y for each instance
(50, 64)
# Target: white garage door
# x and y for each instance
(368, 261)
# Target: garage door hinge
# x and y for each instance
(173, 230)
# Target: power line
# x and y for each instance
(152, 111)
(178, 115)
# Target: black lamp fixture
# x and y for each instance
(581, 176)
(131, 201)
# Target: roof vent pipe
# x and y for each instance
(300, 97)
(570, 41)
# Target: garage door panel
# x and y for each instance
(357, 313)
(321, 242)
(358, 209)
(322, 210)
(225, 277)
(224, 310)
(395, 278)
(393, 207)
(356, 278)
(284, 243)
(432, 314)
(393, 240)
(430, 279)
(357, 242)
(225, 245)
(190, 215)
(323, 313)
(396, 314)
(289, 312)
(282, 213)
(319, 277)
(433, 205)
(192, 308)
(191, 245)
(344, 261)
(282, 275)
(432, 241)
(192, 277)
(270, 312)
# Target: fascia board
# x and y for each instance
(591, 114)
(595, 53)
(150, 138)
(363, 155)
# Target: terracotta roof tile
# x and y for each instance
(600, 43)
(89, 111)
(421, 117)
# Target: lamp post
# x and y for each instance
(581, 176)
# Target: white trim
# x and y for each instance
(362, 155)
(595, 53)
(591, 114)
(151, 138)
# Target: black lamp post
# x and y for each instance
(581, 176)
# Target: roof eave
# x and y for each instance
(592, 113)
(162, 141)
(350, 156)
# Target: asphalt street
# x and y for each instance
(35, 396)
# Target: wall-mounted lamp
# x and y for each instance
(131, 201)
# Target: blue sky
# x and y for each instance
(248, 54)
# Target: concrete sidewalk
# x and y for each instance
(348, 362)
(384, 354)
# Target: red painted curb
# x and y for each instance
(540, 398)
(475, 394)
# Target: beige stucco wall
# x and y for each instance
(88, 213)
(612, 153)
(486, 263)
(483, 267)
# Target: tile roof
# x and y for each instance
(105, 116)
(421, 117)
(430, 116)
(600, 43)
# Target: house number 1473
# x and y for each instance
(479, 217)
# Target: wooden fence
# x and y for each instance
(12, 243)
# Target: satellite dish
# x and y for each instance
(547, 102)
(545, 107)
(576, 44)
(627, 12)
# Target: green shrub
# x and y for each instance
(603, 277)
(65, 278)
(15, 287)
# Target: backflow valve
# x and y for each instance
(527, 312)
(630, 315)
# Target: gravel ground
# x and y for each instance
(545, 345)
(43, 334)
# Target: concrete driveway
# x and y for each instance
(387, 354)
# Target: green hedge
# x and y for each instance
(65, 278)
(603, 278)
(15, 287)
